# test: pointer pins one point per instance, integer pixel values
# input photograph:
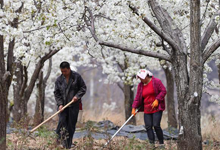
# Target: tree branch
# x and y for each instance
(91, 27)
(209, 31)
(168, 26)
(48, 71)
(203, 16)
(35, 74)
(159, 32)
(208, 52)
(24, 83)
(2, 62)
(136, 51)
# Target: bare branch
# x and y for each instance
(203, 16)
(117, 46)
(48, 71)
(208, 52)
(208, 31)
(168, 26)
(136, 51)
(63, 32)
(159, 32)
(29, 31)
(91, 24)
(103, 16)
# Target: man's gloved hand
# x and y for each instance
(155, 104)
(133, 111)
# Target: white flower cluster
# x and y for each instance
(59, 25)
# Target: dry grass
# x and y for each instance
(46, 138)
(210, 127)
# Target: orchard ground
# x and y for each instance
(46, 138)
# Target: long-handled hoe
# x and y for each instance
(120, 128)
(34, 129)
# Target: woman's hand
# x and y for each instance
(155, 104)
(133, 112)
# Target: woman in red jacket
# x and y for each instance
(150, 98)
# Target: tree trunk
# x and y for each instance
(40, 103)
(189, 115)
(3, 93)
(25, 91)
(39, 107)
(172, 121)
(190, 96)
(18, 104)
(3, 114)
(129, 97)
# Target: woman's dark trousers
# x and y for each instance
(153, 120)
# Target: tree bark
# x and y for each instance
(40, 102)
(26, 91)
(172, 121)
(190, 114)
(129, 97)
(3, 113)
(3, 92)
(10, 60)
(39, 107)
(18, 111)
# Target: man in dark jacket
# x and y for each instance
(69, 86)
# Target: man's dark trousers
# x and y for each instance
(67, 125)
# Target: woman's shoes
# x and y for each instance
(161, 146)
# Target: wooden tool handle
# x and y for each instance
(51, 117)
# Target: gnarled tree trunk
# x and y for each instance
(190, 89)
(40, 102)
